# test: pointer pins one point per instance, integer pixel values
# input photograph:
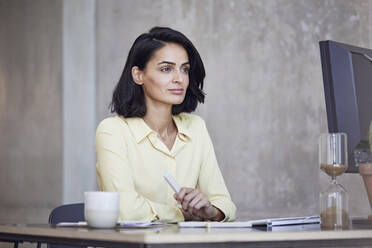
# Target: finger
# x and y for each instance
(186, 215)
(189, 197)
(189, 214)
(181, 194)
(202, 213)
(196, 200)
(184, 205)
(202, 203)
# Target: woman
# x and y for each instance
(153, 133)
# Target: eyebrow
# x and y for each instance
(172, 63)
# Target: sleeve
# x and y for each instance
(114, 174)
(211, 181)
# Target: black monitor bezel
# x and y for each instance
(341, 101)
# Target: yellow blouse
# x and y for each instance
(132, 160)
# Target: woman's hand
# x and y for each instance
(196, 206)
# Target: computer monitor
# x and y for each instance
(347, 78)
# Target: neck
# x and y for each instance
(159, 119)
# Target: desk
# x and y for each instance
(172, 236)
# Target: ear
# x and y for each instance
(137, 75)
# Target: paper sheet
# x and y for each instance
(72, 224)
(207, 224)
(119, 224)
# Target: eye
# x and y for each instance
(165, 69)
(185, 70)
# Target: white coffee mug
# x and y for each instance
(101, 209)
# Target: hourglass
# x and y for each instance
(334, 199)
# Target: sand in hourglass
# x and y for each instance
(334, 217)
(333, 170)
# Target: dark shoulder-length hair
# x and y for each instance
(128, 98)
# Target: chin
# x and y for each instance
(176, 103)
(177, 100)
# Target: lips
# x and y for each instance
(177, 91)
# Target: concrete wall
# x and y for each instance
(30, 109)
(79, 99)
(265, 104)
(47, 106)
(60, 60)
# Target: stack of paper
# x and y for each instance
(139, 223)
(293, 221)
(251, 223)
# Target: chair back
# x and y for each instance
(66, 213)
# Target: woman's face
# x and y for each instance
(166, 76)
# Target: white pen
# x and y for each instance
(172, 182)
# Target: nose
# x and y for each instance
(178, 77)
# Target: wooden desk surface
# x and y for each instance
(172, 236)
